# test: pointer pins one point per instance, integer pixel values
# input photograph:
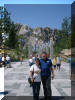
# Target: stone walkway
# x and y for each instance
(16, 82)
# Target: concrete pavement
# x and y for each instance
(16, 82)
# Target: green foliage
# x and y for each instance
(12, 37)
(63, 37)
(73, 31)
(66, 26)
(1, 25)
(7, 21)
(6, 43)
(0, 39)
(62, 44)
(34, 53)
(26, 51)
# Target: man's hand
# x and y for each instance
(52, 70)
(70, 76)
(52, 77)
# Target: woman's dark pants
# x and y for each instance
(36, 90)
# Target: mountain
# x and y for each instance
(38, 31)
(25, 30)
(43, 33)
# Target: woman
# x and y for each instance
(54, 62)
(30, 61)
(3, 61)
(36, 78)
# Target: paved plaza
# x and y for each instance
(16, 80)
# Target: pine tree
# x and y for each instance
(12, 36)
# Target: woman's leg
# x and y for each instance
(34, 87)
(38, 90)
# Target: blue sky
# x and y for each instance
(39, 15)
(2, 2)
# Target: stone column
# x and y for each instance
(29, 49)
(51, 47)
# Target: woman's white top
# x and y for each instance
(3, 59)
(36, 76)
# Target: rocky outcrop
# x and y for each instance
(25, 29)
(38, 31)
(66, 52)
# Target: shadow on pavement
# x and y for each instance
(4, 93)
(31, 98)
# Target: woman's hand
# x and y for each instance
(39, 71)
(31, 76)
(32, 80)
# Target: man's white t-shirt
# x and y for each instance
(36, 76)
(30, 61)
(7, 58)
(58, 60)
(33, 59)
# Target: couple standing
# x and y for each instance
(41, 71)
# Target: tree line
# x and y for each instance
(62, 38)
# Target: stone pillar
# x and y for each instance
(51, 47)
(29, 49)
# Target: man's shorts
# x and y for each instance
(8, 62)
(58, 65)
(54, 66)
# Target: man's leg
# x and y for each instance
(44, 87)
(59, 68)
(48, 88)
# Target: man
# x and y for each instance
(7, 60)
(58, 60)
(71, 62)
(33, 58)
(46, 69)
(30, 61)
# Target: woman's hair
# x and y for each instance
(37, 59)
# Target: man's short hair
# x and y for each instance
(44, 53)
